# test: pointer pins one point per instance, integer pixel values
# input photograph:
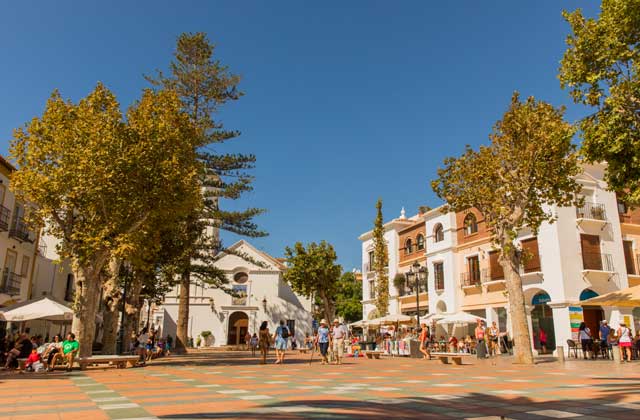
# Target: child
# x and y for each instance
(33, 358)
(254, 344)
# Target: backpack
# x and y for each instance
(284, 331)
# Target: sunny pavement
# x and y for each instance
(216, 385)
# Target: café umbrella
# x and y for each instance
(44, 308)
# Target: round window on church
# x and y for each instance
(240, 278)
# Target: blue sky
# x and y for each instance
(345, 101)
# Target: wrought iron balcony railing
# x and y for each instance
(11, 283)
(598, 262)
(5, 215)
(593, 211)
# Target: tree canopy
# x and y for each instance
(312, 272)
(97, 181)
(601, 69)
(349, 297)
(529, 167)
(380, 262)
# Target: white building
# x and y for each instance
(265, 296)
(587, 251)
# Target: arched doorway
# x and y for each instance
(542, 318)
(592, 315)
(238, 326)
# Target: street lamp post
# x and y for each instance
(418, 274)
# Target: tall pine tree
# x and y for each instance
(380, 262)
(204, 84)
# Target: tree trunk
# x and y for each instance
(182, 331)
(85, 308)
(329, 307)
(521, 338)
(132, 309)
(110, 326)
(110, 314)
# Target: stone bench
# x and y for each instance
(119, 362)
(371, 354)
(455, 357)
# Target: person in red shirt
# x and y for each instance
(33, 358)
(424, 341)
(542, 336)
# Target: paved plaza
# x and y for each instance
(219, 385)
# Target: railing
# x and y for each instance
(20, 231)
(596, 261)
(473, 278)
(593, 211)
(5, 214)
(10, 283)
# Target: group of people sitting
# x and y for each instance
(38, 355)
(148, 345)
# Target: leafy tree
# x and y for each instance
(349, 297)
(514, 182)
(380, 262)
(96, 181)
(204, 84)
(601, 69)
(313, 272)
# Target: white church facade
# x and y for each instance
(261, 295)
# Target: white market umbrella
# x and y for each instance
(43, 308)
(459, 318)
(391, 319)
(359, 324)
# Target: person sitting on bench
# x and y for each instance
(21, 350)
(70, 349)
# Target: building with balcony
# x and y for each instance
(392, 238)
(29, 267)
(587, 251)
(261, 294)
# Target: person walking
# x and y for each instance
(604, 335)
(338, 335)
(481, 347)
(322, 340)
(542, 337)
(281, 337)
(247, 340)
(584, 334)
(424, 341)
(264, 340)
(493, 333)
(624, 342)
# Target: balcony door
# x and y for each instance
(627, 246)
(474, 269)
(591, 257)
(9, 266)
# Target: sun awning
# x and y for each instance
(459, 318)
(628, 298)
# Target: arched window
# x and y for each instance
(408, 247)
(438, 233)
(420, 242)
(470, 224)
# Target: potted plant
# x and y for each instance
(208, 338)
(400, 282)
(198, 341)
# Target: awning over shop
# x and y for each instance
(627, 298)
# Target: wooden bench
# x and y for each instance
(455, 357)
(119, 362)
(371, 354)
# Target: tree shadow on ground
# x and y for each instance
(469, 405)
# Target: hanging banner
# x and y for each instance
(575, 318)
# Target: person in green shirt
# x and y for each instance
(69, 350)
